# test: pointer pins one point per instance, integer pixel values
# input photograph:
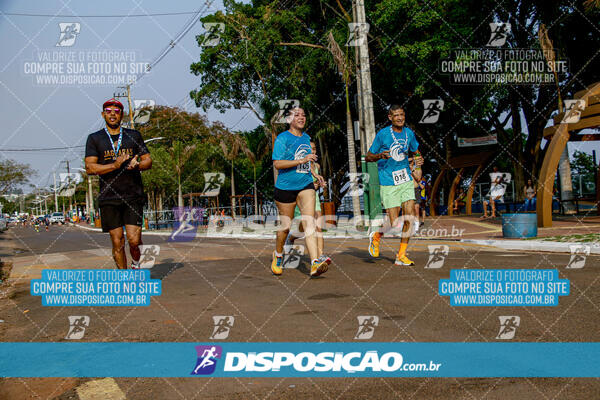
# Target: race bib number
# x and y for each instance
(401, 176)
(303, 168)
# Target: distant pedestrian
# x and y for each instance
(530, 196)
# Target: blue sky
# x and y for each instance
(41, 116)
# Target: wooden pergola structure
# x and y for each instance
(558, 135)
(459, 163)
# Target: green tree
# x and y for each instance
(232, 144)
(583, 164)
(256, 148)
(13, 174)
(179, 154)
(273, 50)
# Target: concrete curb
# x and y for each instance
(527, 245)
(216, 236)
(271, 236)
(534, 245)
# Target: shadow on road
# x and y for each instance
(364, 256)
(160, 271)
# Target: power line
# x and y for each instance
(44, 148)
(186, 28)
(99, 16)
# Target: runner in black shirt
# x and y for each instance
(117, 155)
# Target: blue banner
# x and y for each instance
(96, 287)
(504, 287)
(299, 359)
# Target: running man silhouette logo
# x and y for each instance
(432, 108)
(142, 110)
(508, 327)
(212, 36)
(212, 183)
(356, 184)
(366, 326)
(72, 178)
(285, 108)
(437, 256)
(68, 33)
(77, 325)
(357, 34)
(499, 34)
(579, 253)
(149, 254)
(207, 359)
(573, 110)
(184, 228)
(223, 324)
(292, 255)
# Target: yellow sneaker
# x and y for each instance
(276, 265)
(320, 266)
(373, 245)
(403, 261)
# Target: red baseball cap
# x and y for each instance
(113, 102)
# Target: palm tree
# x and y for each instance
(255, 149)
(180, 154)
(231, 144)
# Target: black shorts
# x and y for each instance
(418, 199)
(289, 196)
(118, 214)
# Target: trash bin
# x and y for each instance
(519, 225)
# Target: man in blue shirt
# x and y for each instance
(391, 149)
(292, 157)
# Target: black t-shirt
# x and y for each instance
(121, 184)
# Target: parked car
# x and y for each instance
(57, 217)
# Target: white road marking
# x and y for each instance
(100, 389)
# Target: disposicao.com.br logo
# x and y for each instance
(326, 362)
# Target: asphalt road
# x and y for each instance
(209, 277)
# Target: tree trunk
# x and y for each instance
(566, 185)
(352, 161)
(232, 192)
(255, 194)
(179, 195)
(517, 148)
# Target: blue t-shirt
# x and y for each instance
(291, 147)
(394, 170)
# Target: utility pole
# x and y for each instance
(91, 194)
(128, 95)
(69, 186)
(365, 93)
(55, 194)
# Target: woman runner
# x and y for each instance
(292, 157)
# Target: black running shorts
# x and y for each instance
(289, 196)
(418, 199)
(120, 213)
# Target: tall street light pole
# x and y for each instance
(365, 93)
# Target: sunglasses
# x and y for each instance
(116, 110)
